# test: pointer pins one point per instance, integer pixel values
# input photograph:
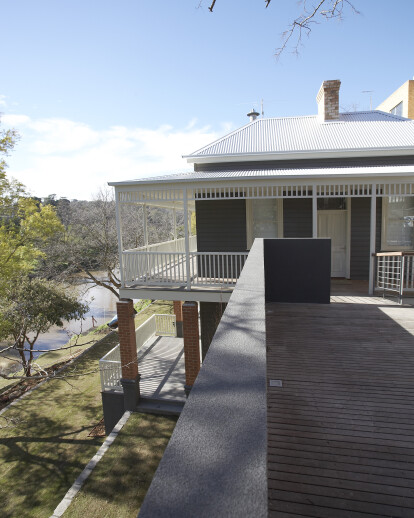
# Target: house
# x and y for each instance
(400, 102)
(344, 176)
(348, 177)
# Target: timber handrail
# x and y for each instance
(390, 254)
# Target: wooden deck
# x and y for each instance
(161, 367)
(341, 427)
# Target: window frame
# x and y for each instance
(249, 219)
(384, 228)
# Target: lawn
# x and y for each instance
(120, 481)
(47, 445)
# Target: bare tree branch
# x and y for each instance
(318, 9)
(328, 9)
(212, 6)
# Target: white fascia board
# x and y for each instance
(299, 155)
(241, 180)
(372, 177)
(175, 294)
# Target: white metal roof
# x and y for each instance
(237, 174)
(371, 130)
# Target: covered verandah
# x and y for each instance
(178, 264)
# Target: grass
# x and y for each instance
(83, 342)
(120, 481)
(46, 445)
(52, 357)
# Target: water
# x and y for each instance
(102, 307)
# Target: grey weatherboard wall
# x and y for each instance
(221, 225)
(297, 217)
(305, 163)
(360, 231)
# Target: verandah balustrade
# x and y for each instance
(395, 272)
(149, 268)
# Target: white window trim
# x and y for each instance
(384, 218)
(249, 221)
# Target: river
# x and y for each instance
(102, 307)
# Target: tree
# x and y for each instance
(8, 139)
(31, 307)
(28, 306)
(90, 244)
(25, 225)
(23, 231)
(312, 12)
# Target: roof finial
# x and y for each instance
(253, 115)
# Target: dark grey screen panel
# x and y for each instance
(297, 217)
(360, 230)
(287, 280)
(221, 225)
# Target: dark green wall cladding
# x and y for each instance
(360, 230)
(297, 217)
(221, 225)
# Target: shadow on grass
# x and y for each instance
(119, 483)
(49, 446)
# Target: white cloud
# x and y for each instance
(10, 120)
(3, 100)
(74, 160)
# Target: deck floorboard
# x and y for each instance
(341, 426)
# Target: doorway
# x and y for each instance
(333, 224)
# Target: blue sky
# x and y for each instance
(106, 91)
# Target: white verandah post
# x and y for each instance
(175, 228)
(119, 234)
(145, 225)
(372, 236)
(186, 240)
(314, 212)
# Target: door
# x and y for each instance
(332, 223)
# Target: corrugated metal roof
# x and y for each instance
(237, 174)
(356, 130)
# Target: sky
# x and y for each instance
(105, 91)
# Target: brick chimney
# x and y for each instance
(328, 100)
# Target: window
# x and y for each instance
(398, 223)
(331, 203)
(264, 219)
(398, 110)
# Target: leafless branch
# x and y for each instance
(212, 6)
(59, 375)
(71, 346)
(324, 9)
(303, 23)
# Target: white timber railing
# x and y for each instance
(174, 245)
(110, 370)
(395, 272)
(171, 268)
(110, 365)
